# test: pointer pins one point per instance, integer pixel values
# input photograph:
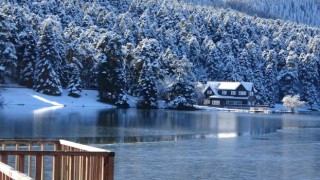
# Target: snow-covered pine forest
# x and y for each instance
(154, 50)
(299, 11)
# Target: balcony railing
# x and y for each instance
(56, 160)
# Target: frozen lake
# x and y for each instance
(163, 144)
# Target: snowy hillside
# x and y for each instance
(154, 50)
(299, 11)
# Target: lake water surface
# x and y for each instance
(164, 144)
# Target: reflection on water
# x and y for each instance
(90, 125)
(189, 145)
(46, 109)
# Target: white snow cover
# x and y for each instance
(215, 85)
(28, 97)
(229, 85)
(247, 85)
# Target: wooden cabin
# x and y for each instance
(222, 94)
(56, 160)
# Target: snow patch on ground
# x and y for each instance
(28, 97)
(46, 101)
(132, 101)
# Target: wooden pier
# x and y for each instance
(56, 160)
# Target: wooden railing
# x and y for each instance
(56, 160)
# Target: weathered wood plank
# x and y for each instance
(4, 158)
(29, 161)
(110, 168)
(42, 163)
(38, 166)
(21, 163)
(56, 173)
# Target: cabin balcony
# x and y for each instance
(54, 159)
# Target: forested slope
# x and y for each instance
(154, 50)
(299, 11)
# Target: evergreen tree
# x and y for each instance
(148, 93)
(74, 84)
(27, 64)
(7, 49)
(47, 79)
(147, 53)
(211, 56)
(182, 90)
(270, 79)
(111, 71)
(288, 77)
(245, 70)
(309, 77)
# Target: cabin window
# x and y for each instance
(233, 93)
(234, 103)
(251, 94)
(242, 93)
(224, 92)
(209, 92)
(216, 102)
(206, 102)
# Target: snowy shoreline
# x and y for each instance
(28, 97)
(279, 108)
(13, 96)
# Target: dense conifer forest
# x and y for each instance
(299, 11)
(154, 50)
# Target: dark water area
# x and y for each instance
(166, 144)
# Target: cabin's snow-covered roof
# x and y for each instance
(229, 85)
(247, 85)
(213, 86)
(216, 85)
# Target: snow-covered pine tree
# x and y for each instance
(7, 49)
(314, 48)
(211, 56)
(257, 66)
(148, 93)
(87, 57)
(227, 71)
(270, 78)
(146, 27)
(182, 90)
(288, 77)
(147, 53)
(29, 55)
(309, 77)
(167, 58)
(126, 28)
(111, 70)
(74, 83)
(146, 64)
(47, 81)
(245, 70)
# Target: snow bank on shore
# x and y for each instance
(279, 108)
(28, 97)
